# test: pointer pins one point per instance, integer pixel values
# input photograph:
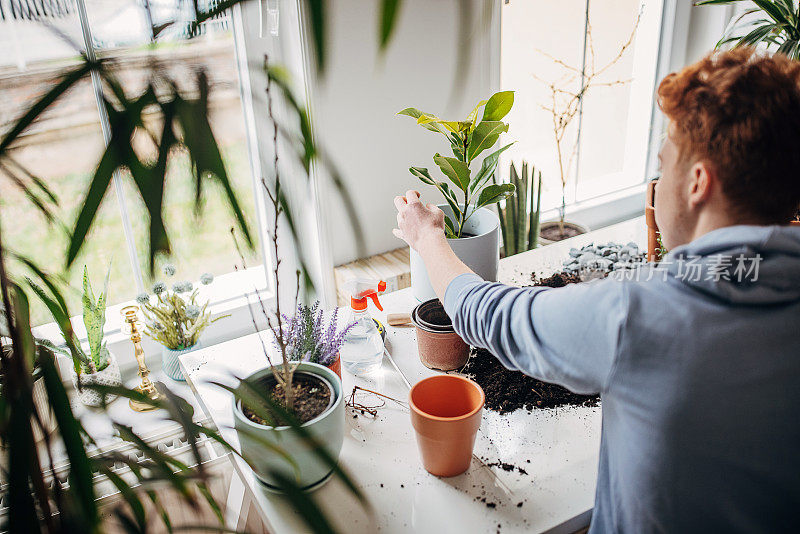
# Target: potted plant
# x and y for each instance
(471, 228)
(518, 223)
(175, 319)
(308, 339)
(99, 366)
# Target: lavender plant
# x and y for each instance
(174, 318)
(307, 337)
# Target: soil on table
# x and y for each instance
(311, 398)
(507, 391)
(555, 280)
(556, 233)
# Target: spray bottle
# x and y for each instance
(362, 351)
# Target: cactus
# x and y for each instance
(519, 223)
(94, 318)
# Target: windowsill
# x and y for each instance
(232, 294)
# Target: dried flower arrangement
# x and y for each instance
(307, 337)
(173, 318)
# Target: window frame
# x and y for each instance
(234, 293)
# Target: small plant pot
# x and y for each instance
(570, 230)
(336, 366)
(258, 442)
(110, 376)
(170, 362)
(480, 252)
(446, 414)
(439, 346)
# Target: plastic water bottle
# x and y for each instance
(362, 351)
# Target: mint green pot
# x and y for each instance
(327, 428)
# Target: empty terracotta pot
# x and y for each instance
(439, 346)
(446, 414)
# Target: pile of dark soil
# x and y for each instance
(507, 391)
(555, 280)
(311, 398)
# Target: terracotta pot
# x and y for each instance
(336, 366)
(577, 227)
(653, 248)
(446, 414)
(439, 346)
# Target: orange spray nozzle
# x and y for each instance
(360, 290)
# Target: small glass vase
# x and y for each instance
(170, 363)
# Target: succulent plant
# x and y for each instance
(94, 318)
(519, 227)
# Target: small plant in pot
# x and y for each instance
(471, 228)
(99, 366)
(175, 319)
(309, 339)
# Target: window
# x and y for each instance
(549, 51)
(65, 145)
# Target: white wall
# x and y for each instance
(354, 106)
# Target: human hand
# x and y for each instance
(418, 224)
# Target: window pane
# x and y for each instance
(542, 59)
(120, 30)
(62, 149)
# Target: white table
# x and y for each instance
(558, 449)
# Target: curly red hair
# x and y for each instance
(739, 112)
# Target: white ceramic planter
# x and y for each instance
(170, 363)
(327, 429)
(480, 253)
(110, 376)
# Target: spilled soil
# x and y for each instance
(507, 391)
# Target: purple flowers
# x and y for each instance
(307, 337)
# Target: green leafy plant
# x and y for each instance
(94, 319)
(37, 499)
(519, 219)
(173, 317)
(468, 139)
(774, 23)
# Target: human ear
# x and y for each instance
(701, 178)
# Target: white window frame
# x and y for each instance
(234, 294)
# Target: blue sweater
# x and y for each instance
(698, 365)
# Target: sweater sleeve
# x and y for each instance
(568, 335)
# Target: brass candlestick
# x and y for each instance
(147, 387)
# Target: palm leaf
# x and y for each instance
(388, 20)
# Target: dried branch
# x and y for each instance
(566, 104)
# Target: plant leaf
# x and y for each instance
(485, 136)
(455, 169)
(423, 174)
(494, 193)
(487, 169)
(498, 106)
(388, 21)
